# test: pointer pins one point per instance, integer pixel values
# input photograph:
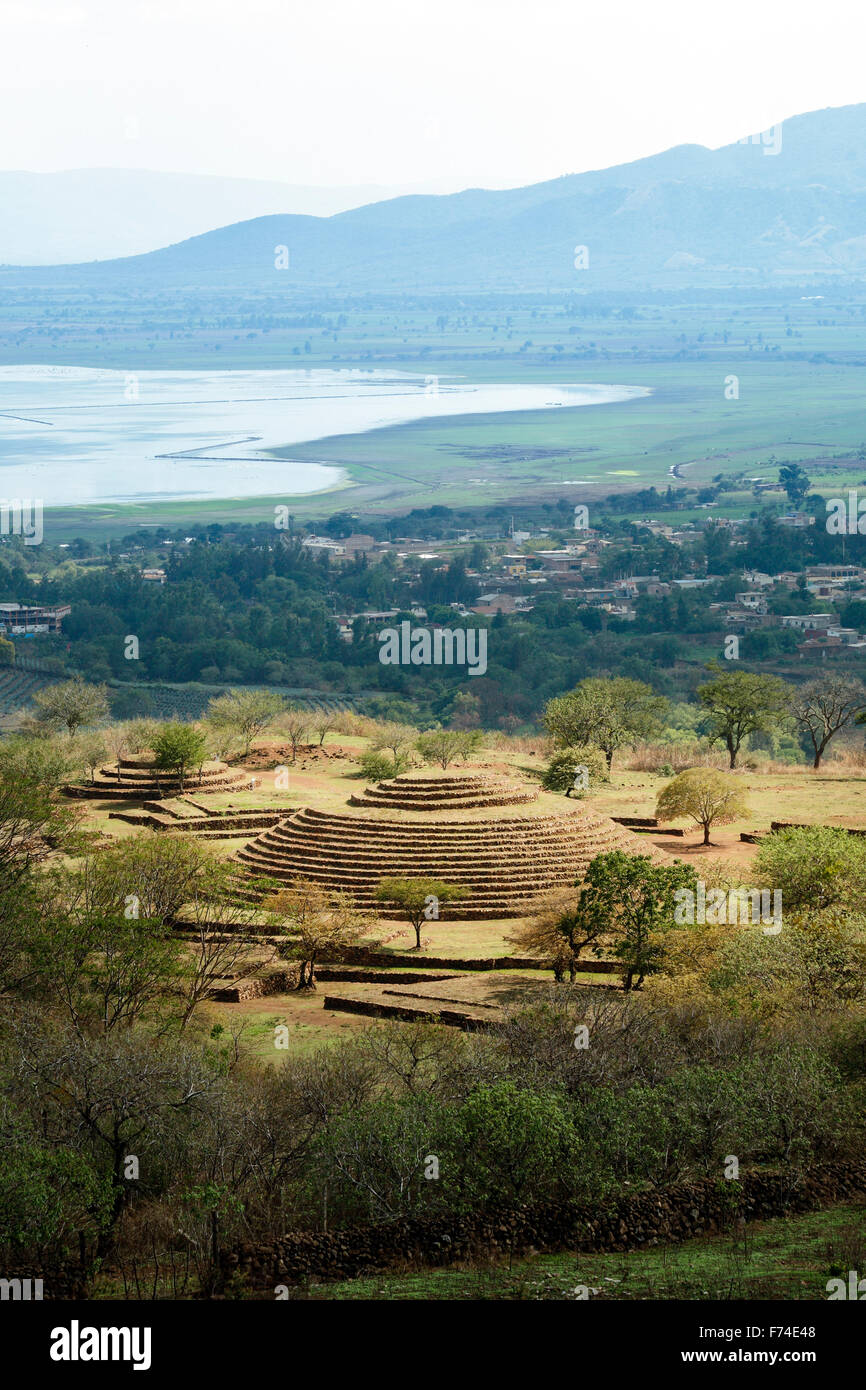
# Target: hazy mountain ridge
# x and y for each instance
(91, 214)
(748, 213)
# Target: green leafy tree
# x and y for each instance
(471, 741)
(373, 1157)
(118, 1095)
(510, 1143)
(814, 866)
(739, 703)
(608, 713)
(440, 746)
(419, 899)
(795, 481)
(161, 872)
(33, 819)
(708, 796)
(560, 931)
(817, 964)
(50, 1195)
(179, 747)
(32, 815)
(629, 900)
(105, 969)
(378, 767)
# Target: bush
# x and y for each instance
(814, 866)
(378, 767)
(509, 1144)
(561, 774)
(816, 964)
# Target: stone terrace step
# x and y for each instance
(443, 793)
(504, 863)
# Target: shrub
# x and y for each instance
(814, 866)
(178, 747)
(378, 767)
(509, 1144)
(561, 773)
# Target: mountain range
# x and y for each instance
(788, 204)
(99, 214)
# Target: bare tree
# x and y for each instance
(323, 723)
(295, 723)
(118, 742)
(825, 705)
(395, 737)
(229, 940)
(317, 922)
(91, 750)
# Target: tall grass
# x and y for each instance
(652, 757)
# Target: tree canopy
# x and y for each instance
(625, 905)
(419, 899)
(610, 713)
(245, 713)
(71, 705)
(708, 796)
(178, 747)
(739, 703)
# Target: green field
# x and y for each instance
(788, 411)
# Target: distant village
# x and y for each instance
(521, 565)
(512, 582)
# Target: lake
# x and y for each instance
(74, 436)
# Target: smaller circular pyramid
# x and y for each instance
(448, 828)
(137, 778)
(446, 793)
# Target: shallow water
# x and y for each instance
(73, 435)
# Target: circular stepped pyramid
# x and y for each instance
(443, 793)
(503, 862)
(138, 779)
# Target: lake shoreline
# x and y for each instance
(73, 436)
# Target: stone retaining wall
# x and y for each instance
(625, 1223)
(274, 982)
(407, 1013)
(371, 955)
(800, 825)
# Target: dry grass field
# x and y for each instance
(326, 777)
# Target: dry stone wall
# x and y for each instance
(627, 1223)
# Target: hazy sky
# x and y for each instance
(445, 92)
